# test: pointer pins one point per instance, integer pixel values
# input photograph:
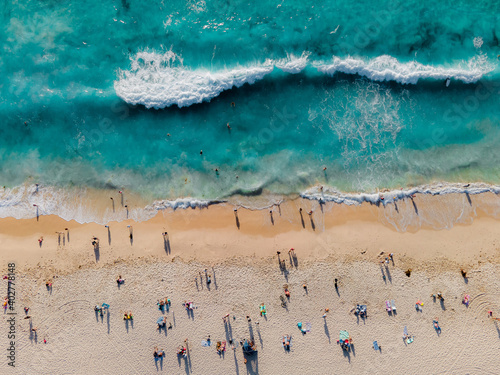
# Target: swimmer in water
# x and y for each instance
(447, 82)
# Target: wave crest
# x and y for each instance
(161, 80)
(388, 68)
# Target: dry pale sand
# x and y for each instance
(344, 244)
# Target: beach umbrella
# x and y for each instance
(160, 320)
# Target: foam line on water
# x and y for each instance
(28, 201)
(327, 194)
(161, 80)
(388, 68)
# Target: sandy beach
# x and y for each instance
(340, 242)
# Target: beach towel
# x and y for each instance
(387, 306)
(308, 327)
(159, 320)
(405, 331)
(393, 304)
(410, 340)
(205, 343)
(375, 345)
(105, 305)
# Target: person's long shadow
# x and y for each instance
(383, 274)
(237, 219)
(201, 281)
(441, 302)
(313, 226)
(272, 218)
(107, 321)
(396, 207)
(97, 253)
(126, 324)
(353, 350)
(327, 332)
(389, 277)
(187, 361)
(166, 245)
(215, 279)
(468, 198)
(260, 337)
(250, 331)
(347, 354)
(498, 329)
(109, 237)
(236, 363)
(414, 206)
(96, 316)
(302, 220)
(229, 330)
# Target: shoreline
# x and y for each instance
(211, 235)
(414, 205)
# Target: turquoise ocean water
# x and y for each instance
(125, 94)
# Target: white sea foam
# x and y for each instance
(181, 203)
(292, 64)
(161, 80)
(387, 68)
(331, 195)
(28, 201)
